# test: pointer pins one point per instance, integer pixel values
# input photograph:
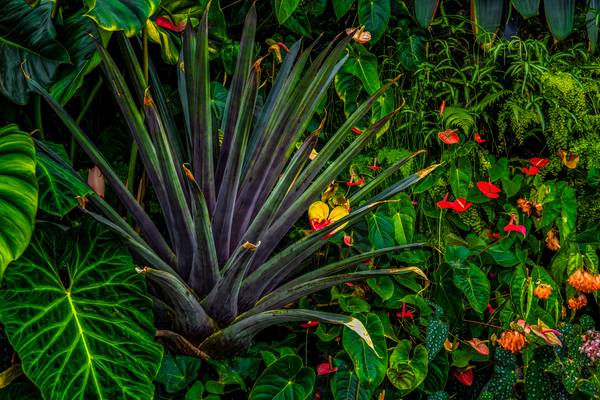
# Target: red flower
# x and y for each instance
(449, 136)
(442, 107)
(405, 313)
(490, 308)
(165, 22)
(374, 167)
(511, 227)
(283, 46)
(349, 284)
(539, 162)
(352, 182)
(348, 240)
(530, 171)
(493, 235)
(461, 205)
(464, 376)
(357, 131)
(479, 139)
(317, 395)
(95, 180)
(309, 324)
(489, 189)
(444, 203)
(325, 368)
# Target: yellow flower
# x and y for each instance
(319, 215)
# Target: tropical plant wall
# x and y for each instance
(298, 199)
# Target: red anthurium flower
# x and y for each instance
(325, 368)
(353, 182)
(442, 107)
(464, 376)
(531, 170)
(495, 235)
(349, 284)
(357, 131)
(449, 136)
(539, 162)
(489, 189)
(165, 22)
(405, 313)
(461, 205)
(374, 167)
(96, 181)
(309, 324)
(490, 308)
(511, 227)
(317, 395)
(479, 139)
(348, 240)
(444, 203)
(479, 346)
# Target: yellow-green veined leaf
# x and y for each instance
(162, 37)
(370, 362)
(128, 16)
(285, 379)
(405, 372)
(18, 193)
(76, 312)
(27, 48)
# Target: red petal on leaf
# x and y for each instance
(530, 171)
(489, 189)
(310, 324)
(479, 346)
(464, 376)
(461, 205)
(325, 368)
(479, 139)
(357, 131)
(449, 136)
(539, 162)
(165, 22)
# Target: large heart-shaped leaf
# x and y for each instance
(407, 373)
(27, 48)
(18, 193)
(128, 16)
(76, 312)
(374, 15)
(363, 65)
(59, 188)
(345, 384)
(341, 7)
(370, 363)
(176, 373)
(285, 379)
(475, 285)
(285, 8)
(381, 230)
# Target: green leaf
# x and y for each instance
(341, 7)
(348, 88)
(383, 286)
(59, 189)
(568, 211)
(381, 230)
(285, 8)
(460, 179)
(425, 11)
(76, 31)
(369, 365)
(176, 373)
(404, 227)
(527, 8)
(346, 386)
(518, 289)
(512, 186)
(195, 392)
(374, 14)
(128, 16)
(560, 15)
(27, 47)
(435, 336)
(76, 312)
(18, 193)
(486, 16)
(405, 372)
(499, 170)
(285, 379)
(475, 285)
(164, 38)
(437, 372)
(363, 65)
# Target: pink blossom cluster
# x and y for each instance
(591, 345)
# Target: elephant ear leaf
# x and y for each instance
(121, 15)
(284, 379)
(77, 314)
(27, 48)
(18, 193)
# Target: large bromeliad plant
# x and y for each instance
(228, 195)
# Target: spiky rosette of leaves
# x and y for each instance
(222, 267)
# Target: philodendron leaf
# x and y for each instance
(345, 384)
(18, 193)
(77, 314)
(27, 48)
(407, 373)
(176, 373)
(59, 189)
(128, 16)
(475, 285)
(370, 363)
(285, 8)
(285, 379)
(374, 15)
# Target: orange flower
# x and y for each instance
(577, 303)
(569, 160)
(552, 242)
(542, 291)
(583, 281)
(530, 208)
(513, 341)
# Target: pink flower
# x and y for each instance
(490, 308)
(348, 240)
(96, 181)
(489, 189)
(464, 376)
(283, 46)
(479, 346)
(349, 284)
(165, 22)
(325, 368)
(444, 203)
(511, 227)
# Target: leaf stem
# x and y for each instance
(37, 113)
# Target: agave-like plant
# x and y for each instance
(227, 205)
